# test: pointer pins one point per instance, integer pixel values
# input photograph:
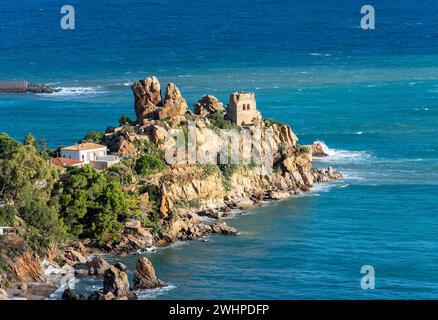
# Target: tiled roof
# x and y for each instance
(84, 146)
(64, 161)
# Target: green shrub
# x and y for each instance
(271, 122)
(125, 120)
(93, 136)
(149, 164)
(218, 121)
(208, 169)
(227, 171)
(305, 149)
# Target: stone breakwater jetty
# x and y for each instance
(25, 87)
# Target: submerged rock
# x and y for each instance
(144, 277)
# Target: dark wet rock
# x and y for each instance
(120, 266)
(70, 294)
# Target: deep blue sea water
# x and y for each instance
(371, 96)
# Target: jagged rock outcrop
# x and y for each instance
(173, 104)
(208, 105)
(98, 266)
(73, 256)
(134, 237)
(325, 175)
(318, 150)
(144, 277)
(116, 282)
(147, 96)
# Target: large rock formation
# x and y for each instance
(144, 277)
(150, 105)
(116, 282)
(173, 104)
(147, 95)
(208, 105)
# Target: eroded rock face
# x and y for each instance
(318, 150)
(116, 282)
(22, 263)
(73, 256)
(224, 229)
(324, 175)
(208, 105)
(173, 104)
(99, 266)
(144, 277)
(147, 96)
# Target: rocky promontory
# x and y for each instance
(162, 193)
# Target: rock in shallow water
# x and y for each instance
(116, 282)
(99, 266)
(144, 277)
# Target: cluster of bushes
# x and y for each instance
(46, 209)
(93, 136)
(218, 121)
(151, 160)
(91, 206)
(27, 182)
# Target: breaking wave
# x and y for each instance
(153, 293)
(73, 91)
(339, 155)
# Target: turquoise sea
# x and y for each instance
(370, 95)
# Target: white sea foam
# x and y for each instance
(318, 54)
(62, 277)
(73, 91)
(339, 155)
(153, 293)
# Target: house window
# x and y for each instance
(247, 107)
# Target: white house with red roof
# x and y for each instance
(84, 152)
(87, 153)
